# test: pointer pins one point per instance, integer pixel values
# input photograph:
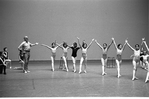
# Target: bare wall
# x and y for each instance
(45, 21)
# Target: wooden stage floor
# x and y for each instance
(42, 82)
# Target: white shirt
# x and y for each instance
(25, 45)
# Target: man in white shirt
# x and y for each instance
(25, 48)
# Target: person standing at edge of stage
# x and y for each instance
(25, 48)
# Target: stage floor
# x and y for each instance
(42, 82)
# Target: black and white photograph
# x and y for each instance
(74, 48)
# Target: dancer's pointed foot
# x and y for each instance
(104, 73)
(80, 72)
(146, 80)
(134, 78)
(85, 71)
(119, 76)
(74, 71)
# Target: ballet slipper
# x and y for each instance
(119, 76)
(134, 78)
(80, 72)
(74, 71)
(52, 69)
(146, 80)
(104, 73)
(85, 71)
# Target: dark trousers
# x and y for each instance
(2, 68)
(26, 60)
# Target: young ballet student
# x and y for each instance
(74, 55)
(25, 48)
(2, 63)
(53, 49)
(105, 49)
(119, 49)
(6, 56)
(136, 58)
(146, 60)
(84, 49)
(65, 48)
(141, 58)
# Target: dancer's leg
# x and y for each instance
(65, 62)
(103, 66)
(74, 64)
(81, 61)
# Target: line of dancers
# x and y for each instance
(25, 46)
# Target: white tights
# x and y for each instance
(74, 63)
(147, 75)
(104, 62)
(85, 63)
(118, 63)
(52, 63)
(65, 62)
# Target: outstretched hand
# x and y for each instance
(143, 39)
(126, 41)
(112, 38)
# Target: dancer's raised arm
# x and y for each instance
(90, 44)
(79, 42)
(59, 45)
(143, 39)
(110, 45)
(129, 45)
(98, 44)
(124, 44)
(114, 43)
(46, 46)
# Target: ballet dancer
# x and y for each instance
(6, 56)
(119, 49)
(146, 61)
(105, 49)
(141, 57)
(136, 58)
(65, 48)
(25, 48)
(74, 55)
(84, 49)
(53, 49)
